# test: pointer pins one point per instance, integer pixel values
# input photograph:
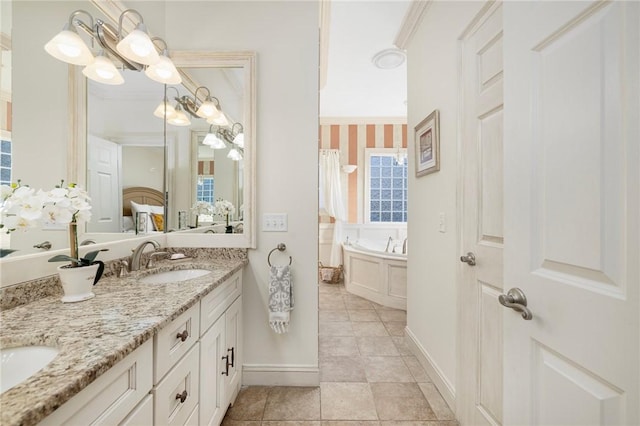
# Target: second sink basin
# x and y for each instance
(20, 363)
(174, 276)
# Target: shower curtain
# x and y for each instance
(330, 199)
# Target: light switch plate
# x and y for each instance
(274, 222)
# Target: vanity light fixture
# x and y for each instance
(221, 120)
(234, 154)
(179, 118)
(213, 140)
(164, 110)
(103, 70)
(135, 51)
(207, 109)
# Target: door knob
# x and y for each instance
(469, 259)
(516, 300)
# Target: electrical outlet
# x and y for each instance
(274, 222)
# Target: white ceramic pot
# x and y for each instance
(77, 283)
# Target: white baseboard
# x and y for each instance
(280, 375)
(439, 379)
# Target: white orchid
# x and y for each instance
(201, 207)
(223, 208)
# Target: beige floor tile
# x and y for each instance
(369, 328)
(420, 423)
(401, 345)
(388, 315)
(331, 301)
(330, 288)
(401, 401)
(437, 403)
(350, 423)
(338, 346)
(347, 401)
(333, 315)
(293, 403)
(342, 369)
(386, 369)
(377, 346)
(363, 315)
(395, 328)
(356, 302)
(417, 370)
(249, 404)
(229, 422)
(291, 423)
(336, 328)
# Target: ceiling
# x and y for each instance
(354, 87)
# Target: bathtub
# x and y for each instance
(374, 274)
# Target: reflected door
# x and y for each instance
(571, 212)
(103, 175)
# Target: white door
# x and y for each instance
(480, 359)
(233, 319)
(103, 184)
(213, 352)
(571, 212)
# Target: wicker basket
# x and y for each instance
(330, 274)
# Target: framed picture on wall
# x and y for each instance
(427, 142)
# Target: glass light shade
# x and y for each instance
(239, 140)
(138, 47)
(103, 71)
(213, 141)
(164, 110)
(234, 154)
(164, 71)
(179, 118)
(68, 47)
(221, 120)
(208, 110)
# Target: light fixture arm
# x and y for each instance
(195, 95)
(122, 18)
(79, 22)
(233, 131)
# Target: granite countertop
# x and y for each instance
(95, 334)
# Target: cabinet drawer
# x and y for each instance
(176, 396)
(215, 303)
(174, 340)
(142, 415)
(110, 398)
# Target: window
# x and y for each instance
(204, 190)
(5, 163)
(385, 185)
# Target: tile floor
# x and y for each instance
(368, 376)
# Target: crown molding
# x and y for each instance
(410, 23)
(324, 121)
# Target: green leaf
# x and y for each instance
(92, 255)
(63, 258)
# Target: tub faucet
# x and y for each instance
(388, 244)
(134, 264)
(404, 246)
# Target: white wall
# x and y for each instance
(433, 257)
(285, 37)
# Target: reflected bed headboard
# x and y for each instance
(140, 195)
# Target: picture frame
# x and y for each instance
(427, 144)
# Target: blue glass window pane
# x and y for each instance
(385, 217)
(386, 183)
(386, 172)
(397, 171)
(375, 183)
(375, 172)
(387, 160)
(398, 183)
(397, 206)
(385, 206)
(375, 160)
(404, 217)
(5, 176)
(375, 206)
(386, 194)
(6, 147)
(398, 194)
(375, 217)
(397, 216)
(5, 160)
(375, 194)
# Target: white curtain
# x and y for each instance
(330, 199)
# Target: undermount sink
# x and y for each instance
(174, 276)
(20, 363)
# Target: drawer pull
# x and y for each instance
(226, 372)
(182, 396)
(232, 350)
(182, 336)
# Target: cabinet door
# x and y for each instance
(212, 365)
(233, 319)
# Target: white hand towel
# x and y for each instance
(280, 298)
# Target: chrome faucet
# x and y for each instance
(388, 244)
(134, 264)
(404, 246)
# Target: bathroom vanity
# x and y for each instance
(137, 353)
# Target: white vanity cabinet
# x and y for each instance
(112, 396)
(220, 350)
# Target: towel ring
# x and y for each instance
(280, 247)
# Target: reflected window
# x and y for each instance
(5, 163)
(205, 190)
